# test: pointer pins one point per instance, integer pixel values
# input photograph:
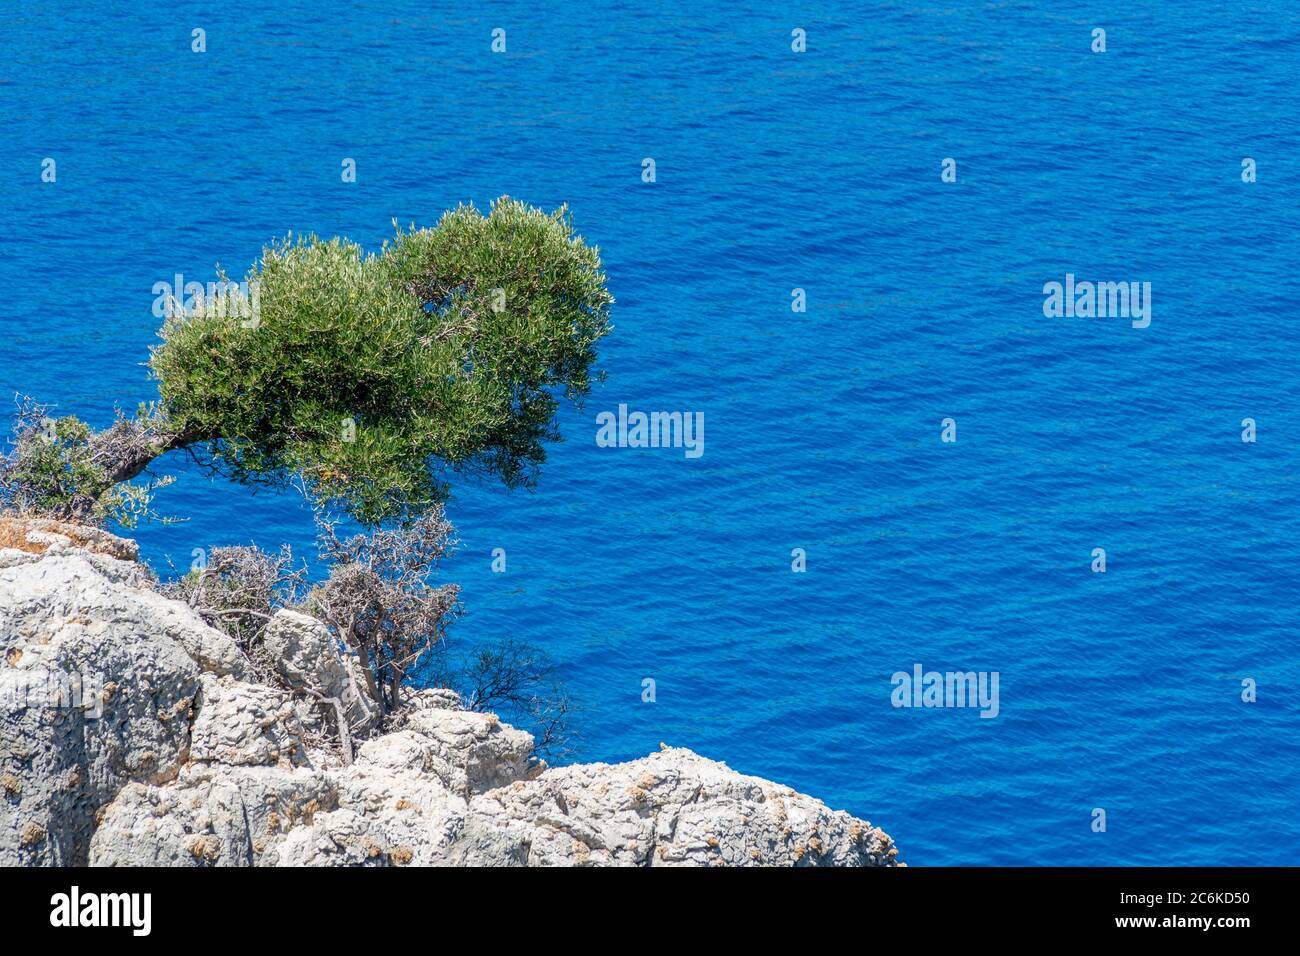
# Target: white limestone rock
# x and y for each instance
(95, 692)
(432, 698)
(38, 598)
(175, 759)
(468, 752)
(673, 808)
(212, 815)
(245, 725)
(384, 818)
(308, 657)
(174, 826)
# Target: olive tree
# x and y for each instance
(375, 378)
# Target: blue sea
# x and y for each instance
(774, 171)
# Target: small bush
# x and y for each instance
(240, 588)
(379, 600)
(65, 470)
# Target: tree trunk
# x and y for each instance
(341, 723)
(364, 654)
(345, 730)
(129, 446)
(398, 674)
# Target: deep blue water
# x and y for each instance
(778, 170)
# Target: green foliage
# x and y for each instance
(50, 471)
(376, 376)
(61, 468)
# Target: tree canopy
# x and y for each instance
(377, 377)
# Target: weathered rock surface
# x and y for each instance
(468, 752)
(308, 658)
(97, 687)
(174, 758)
(673, 808)
(210, 816)
(245, 725)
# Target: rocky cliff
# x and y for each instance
(132, 733)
